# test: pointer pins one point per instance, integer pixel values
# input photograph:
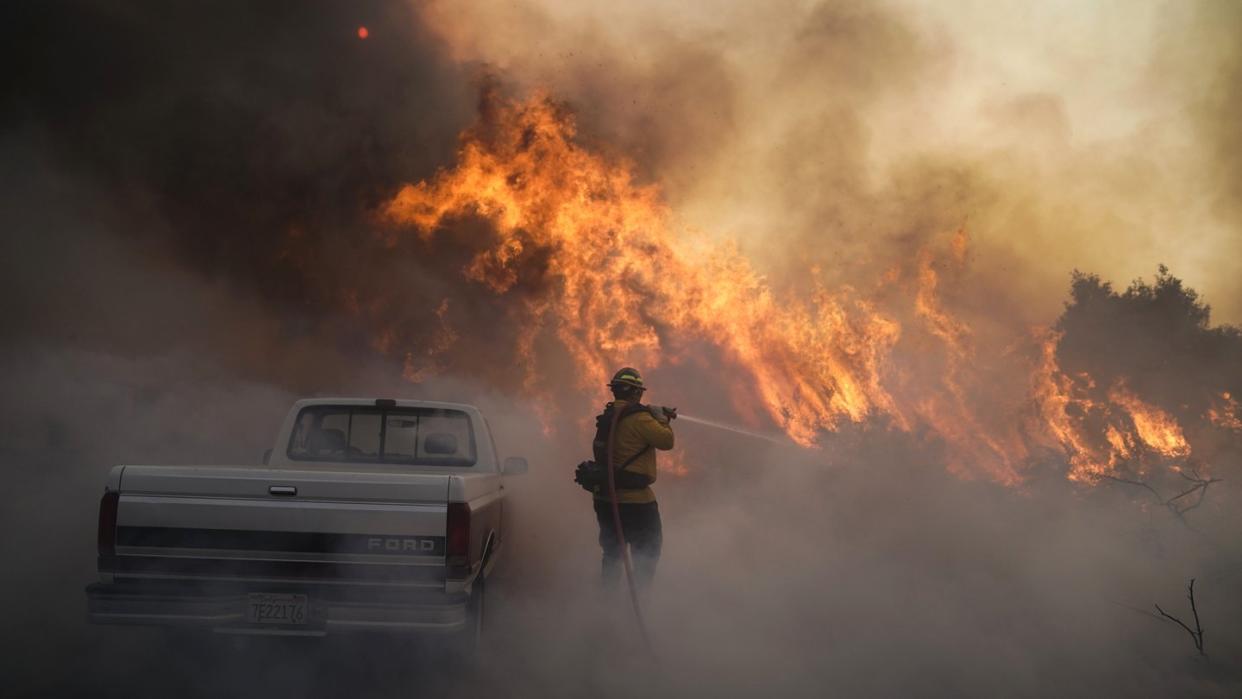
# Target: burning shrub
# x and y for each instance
(1137, 385)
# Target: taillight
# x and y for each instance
(107, 522)
(457, 539)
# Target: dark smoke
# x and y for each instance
(244, 143)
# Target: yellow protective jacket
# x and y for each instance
(635, 433)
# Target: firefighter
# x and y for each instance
(641, 430)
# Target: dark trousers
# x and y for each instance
(640, 522)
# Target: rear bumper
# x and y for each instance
(223, 610)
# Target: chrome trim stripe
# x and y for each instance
(191, 538)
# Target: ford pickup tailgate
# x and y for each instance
(310, 527)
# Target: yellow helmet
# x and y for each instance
(627, 376)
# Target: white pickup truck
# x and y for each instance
(369, 515)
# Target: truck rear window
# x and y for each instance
(421, 436)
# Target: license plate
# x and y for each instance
(271, 608)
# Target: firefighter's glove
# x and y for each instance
(663, 414)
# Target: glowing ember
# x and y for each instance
(363, 33)
(1224, 413)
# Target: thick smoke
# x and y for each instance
(844, 132)
(247, 144)
(189, 196)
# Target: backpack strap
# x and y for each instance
(634, 458)
(603, 425)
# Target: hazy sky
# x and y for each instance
(1091, 135)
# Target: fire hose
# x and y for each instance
(616, 509)
(616, 526)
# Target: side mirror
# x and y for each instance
(515, 466)
(267, 457)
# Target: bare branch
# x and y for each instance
(1201, 486)
(1141, 484)
(1184, 493)
(1196, 634)
(1179, 622)
(1195, 610)
(1177, 510)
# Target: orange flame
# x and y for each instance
(1225, 413)
(629, 281)
(1154, 428)
(1102, 436)
(633, 286)
(1060, 400)
(952, 413)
